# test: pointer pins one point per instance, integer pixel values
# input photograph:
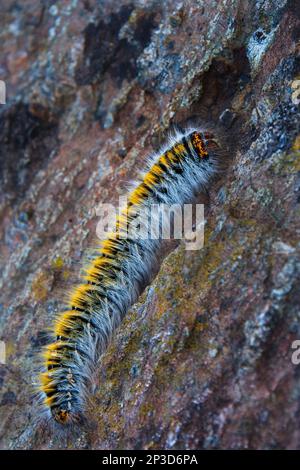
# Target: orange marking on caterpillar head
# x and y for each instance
(199, 145)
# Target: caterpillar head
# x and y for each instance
(204, 143)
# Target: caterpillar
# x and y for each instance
(118, 272)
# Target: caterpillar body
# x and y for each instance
(118, 272)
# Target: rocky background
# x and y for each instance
(204, 360)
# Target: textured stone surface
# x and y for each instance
(204, 359)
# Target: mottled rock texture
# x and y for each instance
(204, 359)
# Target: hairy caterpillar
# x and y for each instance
(118, 272)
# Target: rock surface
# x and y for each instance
(204, 360)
